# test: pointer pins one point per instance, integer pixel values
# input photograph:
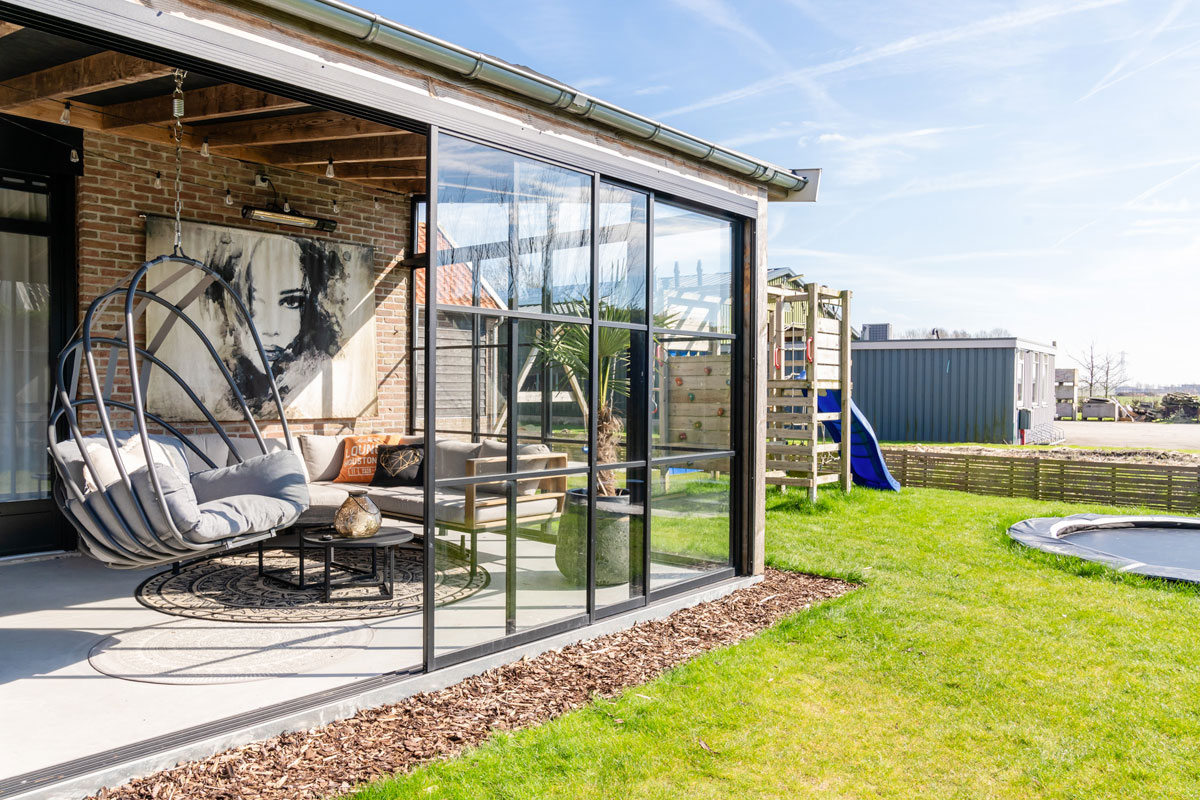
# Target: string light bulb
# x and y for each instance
(287, 207)
(337, 209)
(204, 148)
(228, 197)
(158, 180)
(74, 156)
(329, 168)
(65, 118)
(376, 203)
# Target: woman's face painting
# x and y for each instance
(276, 293)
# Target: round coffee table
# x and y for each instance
(391, 534)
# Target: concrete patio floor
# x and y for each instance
(59, 708)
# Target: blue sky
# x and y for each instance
(1033, 166)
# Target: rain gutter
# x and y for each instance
(374, 29)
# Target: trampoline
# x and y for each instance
(1154, 546)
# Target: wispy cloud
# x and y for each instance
(923, 137)
(947, 36)
(592, 82)
(656, 89)
(720, 15)
(1114, 75)
(1133, 203)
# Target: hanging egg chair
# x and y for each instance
(128, 481)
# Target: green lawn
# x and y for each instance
(965, 667)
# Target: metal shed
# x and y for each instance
(954, 390)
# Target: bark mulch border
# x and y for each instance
(336, 758)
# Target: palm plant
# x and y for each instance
(569, 346)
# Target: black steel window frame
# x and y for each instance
(741, 292)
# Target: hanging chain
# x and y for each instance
(177, 135)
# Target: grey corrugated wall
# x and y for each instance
(937, 395)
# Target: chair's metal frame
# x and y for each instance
(136, 542)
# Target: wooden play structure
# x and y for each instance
(808, 386)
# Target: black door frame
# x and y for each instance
(37, 157)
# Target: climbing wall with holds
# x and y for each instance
(698, 396)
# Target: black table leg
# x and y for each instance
(328, 564)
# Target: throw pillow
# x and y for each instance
(359, 457)
(399, 465)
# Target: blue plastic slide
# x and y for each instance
(866, 459)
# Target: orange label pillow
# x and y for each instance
(360, 455)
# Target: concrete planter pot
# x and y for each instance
(615, 537)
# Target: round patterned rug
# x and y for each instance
(189, 651)
(229, 589)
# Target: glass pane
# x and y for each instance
(689, 525)
(693, 270)
(513, 232)
(621, 424)
(622, 249)
(620, 535)
(517, 583)
(693, 395)
(27, 206)
(24, 370)
(555, 387)
(472, 375)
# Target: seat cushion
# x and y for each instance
(213, 446)
(241, 514)
(324, 499)
(409, 501)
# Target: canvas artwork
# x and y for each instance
(313, 303)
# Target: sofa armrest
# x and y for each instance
(555, 483)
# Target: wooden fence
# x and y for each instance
(1160, 486)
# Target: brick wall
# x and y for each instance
(118, 186)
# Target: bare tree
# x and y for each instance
(1089, 368)
(1101, 373)
(1112, 373)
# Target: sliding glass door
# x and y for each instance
(562, 485)
(29, 521)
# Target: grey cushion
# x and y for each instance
(452, 455)
(322, 455)
(324, 499)
(277, 475)
(68, 450)
(178, 494)
(248, 447)
(213, 446)
(242, 514)
(493, 448)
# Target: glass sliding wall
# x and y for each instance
(563, 351)
(694, 395)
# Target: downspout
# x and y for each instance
(374, 29)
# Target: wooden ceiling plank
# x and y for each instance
(352, 151)
(212, 102)
(316, 126)
(90, 74)
(9, 27)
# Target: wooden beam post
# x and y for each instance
(844, 377)
(810, 374)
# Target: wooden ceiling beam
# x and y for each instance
(352, 151)
(396, 170)
(212, 102)
(404, 185)
(317, 126)
(9, 27)
(85, 75)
